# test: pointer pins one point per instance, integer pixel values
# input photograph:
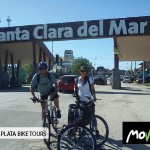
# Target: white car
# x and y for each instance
(126, 79)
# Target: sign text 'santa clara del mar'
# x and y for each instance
(77, 30)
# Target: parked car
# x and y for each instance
(100, 80)
(127, 79)
(140, 80)
(66, 82)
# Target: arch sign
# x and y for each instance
(77, 30)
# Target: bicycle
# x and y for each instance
(50, 118)
(97, 124)
(76, 135)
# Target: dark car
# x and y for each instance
(66, 82)
(100, 80)
(140, 80)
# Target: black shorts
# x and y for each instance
(52, 90)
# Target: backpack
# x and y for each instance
(38, 77)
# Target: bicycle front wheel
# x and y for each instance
(100, 129)
(77, 138)
(46, 123)
(54, 120)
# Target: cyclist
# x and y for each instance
(47, 85)
(84, 85)
(84, 90)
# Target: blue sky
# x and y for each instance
(30, 12)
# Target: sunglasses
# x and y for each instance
(42, 69)
(82, 70)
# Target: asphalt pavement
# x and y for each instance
(131, 103)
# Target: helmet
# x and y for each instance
(42, 66)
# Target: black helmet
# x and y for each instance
(42, 66)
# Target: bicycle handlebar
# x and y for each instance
(77, 97)
(35, 100)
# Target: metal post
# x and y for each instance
(9, 20)
(94, 62)
(131, 68)
(143, 72)
(52, 47)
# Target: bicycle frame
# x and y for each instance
(48, 110)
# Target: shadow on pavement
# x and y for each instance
(130, 89)
(52, 145)
(112, 144)
(67, 92)
(133, 93)
(21, 89)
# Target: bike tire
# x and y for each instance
(46, 123)
(54, 120)
(102, 132)
(76, 137)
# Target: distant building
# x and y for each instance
(65, 63)
(68, 56)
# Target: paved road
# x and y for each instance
(131, 103)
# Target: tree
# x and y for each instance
(77, 63)
(28, 68)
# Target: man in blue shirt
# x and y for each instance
(47, 85)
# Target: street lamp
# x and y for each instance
(94, 62)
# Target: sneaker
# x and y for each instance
(58, 114)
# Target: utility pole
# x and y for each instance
(52, 47)
(131, 68)
(94, 62)
(9, 20)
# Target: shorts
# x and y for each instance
(52, 90)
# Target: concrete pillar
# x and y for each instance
(0, 63)
(34, 56)
(6, 61)
(12, 65)
(18, 67)
(49, 65)
(44, 57)
(116, 82)
(40, 55)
